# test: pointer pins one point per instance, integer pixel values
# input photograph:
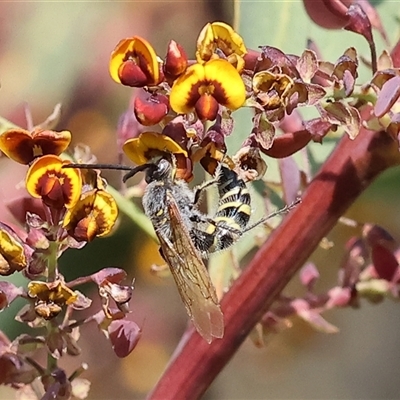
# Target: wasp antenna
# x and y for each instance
(135, 170)
(98, 166)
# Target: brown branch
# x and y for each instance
(349, 170)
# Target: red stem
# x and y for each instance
(353, 165)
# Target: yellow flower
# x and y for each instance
(23, 146)
(57, 187)
(217, 38)
(135, 63)
(13, 256)
(94, 215)
(149, 145)
(203, 87)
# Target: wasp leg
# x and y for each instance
(198, 190)
(283, 210)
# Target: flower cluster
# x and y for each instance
(67, 208)
(189, 103)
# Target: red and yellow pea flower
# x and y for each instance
(57, 187)
(94, 215)
(152, 144)
(135, 63)
(23, 146)
(217, 38)
(203, 87)
(148, 145)
(96, 212)
(13, 252)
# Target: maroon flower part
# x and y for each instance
(21, 206)
(57, 385)
(353, 262)
(329, 14)
(309, 275)
(318, 128)
(15, 370)
(63, 341)
(151, 110)
(123, 333)
(124, 336)
(343, 73)
(387, 97)
(383, 247)
(8, 293)
(175, 62)
(108, 281)
(305, 311)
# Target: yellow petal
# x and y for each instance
(134, 47)
(218, 35)
(216, 77)
(94, 215)
(149, 144)
(46, 179)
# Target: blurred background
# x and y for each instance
(58, 52)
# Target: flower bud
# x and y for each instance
(152, 110)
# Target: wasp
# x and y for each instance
(173, 210)
(171, 207)
(187, 236)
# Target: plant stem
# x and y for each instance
(353, 165)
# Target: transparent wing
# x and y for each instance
(191, 276)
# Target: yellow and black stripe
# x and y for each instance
(231, 218)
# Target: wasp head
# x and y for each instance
(160, 170)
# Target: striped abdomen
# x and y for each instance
(231, 218)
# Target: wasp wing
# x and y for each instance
(191, 276)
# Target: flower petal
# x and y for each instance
(17, 144)
(218, 35)
(57, 187)
(216, 77)
(94, 215)
(12, 251)
(149, 144)
(23, 146)
(140, 53)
